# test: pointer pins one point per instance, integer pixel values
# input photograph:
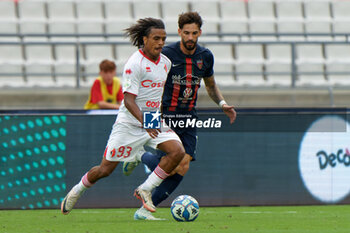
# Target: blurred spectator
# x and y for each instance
(106, 91)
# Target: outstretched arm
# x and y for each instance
(216, 96)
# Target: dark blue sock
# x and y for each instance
(166, 188)
(150, 160)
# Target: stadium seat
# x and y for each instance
(32, 10)
(33, 27)
(9, 27)
(171, 27)
(212, 28)
(122, 54)
(11, 65)
(65, 64)
(61, 11)
(209, 10)
(144, 9)
(262, 27)
(117, 28)
(310, 60)
(62, 27)
(90, 11)
(278, 64)
(94, 55)
(118, 10)
(249, 64)
(92, 27)
(261, 10)
(172, 9)
(229, 27)
(338, 60)
(318, 27)
(223, 65)
(290, 19)
(8, 11)
(233, 10)
(38, 65)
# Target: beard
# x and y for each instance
(189, 47)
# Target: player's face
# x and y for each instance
(154, 42)
(189, 36)
(108, 76)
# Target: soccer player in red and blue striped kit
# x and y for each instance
(190, 63)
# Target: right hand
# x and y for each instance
(153, 132)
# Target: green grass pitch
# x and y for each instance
(288, 219)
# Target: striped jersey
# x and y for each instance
(184, 78)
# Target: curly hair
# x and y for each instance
(188, 18)
(142, 28)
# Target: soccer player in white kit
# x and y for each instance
(144, 76)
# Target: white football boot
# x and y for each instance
(146, 198)
(143, 214)
(70, 200)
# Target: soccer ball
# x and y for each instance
(184, 208)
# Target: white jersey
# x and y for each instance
(145, 79)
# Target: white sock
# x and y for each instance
(154, 179)
(82, 185)
(79, 188)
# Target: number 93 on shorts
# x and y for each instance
(126, 141)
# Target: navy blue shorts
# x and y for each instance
(188, 137)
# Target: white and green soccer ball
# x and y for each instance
(184, 208)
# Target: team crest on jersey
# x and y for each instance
(200, 64)
(187, 92)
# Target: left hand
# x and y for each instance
(230, 112)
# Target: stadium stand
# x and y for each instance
(256, 43)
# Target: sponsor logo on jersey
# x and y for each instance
(324, 159)
(187, 92)
(181, 80)
(153, 104)
(151, 84)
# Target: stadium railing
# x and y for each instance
(230, 78)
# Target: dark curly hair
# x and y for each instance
(188, 18)
(142, 28)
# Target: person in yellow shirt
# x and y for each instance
(106, 91)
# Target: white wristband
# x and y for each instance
(222, 102)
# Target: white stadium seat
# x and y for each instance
(233, 10)
(118, 10)
(278, 63)
(11, 63)
(223, 65)
(32, 10)
(8, 11)
(143, 9)
(310, 59)
(89, 10)
(61, 11)
(249, 62)
(172, 9)
(338, 60)
(39, 61)
(209, 10)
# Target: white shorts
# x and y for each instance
(126, 141)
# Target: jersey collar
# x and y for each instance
(143, 54)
